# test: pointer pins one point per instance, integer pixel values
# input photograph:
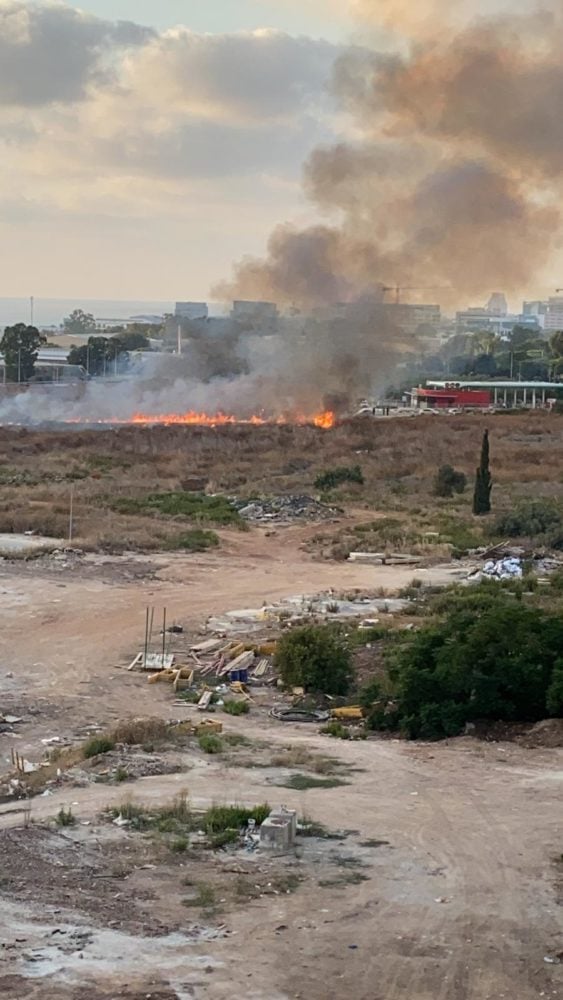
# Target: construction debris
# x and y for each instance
(385, 558)
(285, 509)
(299, 715)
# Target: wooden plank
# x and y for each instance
(203, 703)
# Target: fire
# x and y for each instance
(325, 420)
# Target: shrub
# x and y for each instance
(498, 662)
(217, 819)
(179, 845)
(198, 506)
(65, 817)
(98, 745)
(336, 730)
(196, 540)
(529, 519)
(449, 481)
(315, 657)
(236, 707)
(343, 474)
(210, 743)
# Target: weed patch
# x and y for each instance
(97, 745)
(301, 782)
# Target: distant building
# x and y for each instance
(191, 310)
(497, 304)
(254, 312)
(554, 315)
(409, 317)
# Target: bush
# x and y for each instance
(198, 506)
(336, 730)
(529, 519)
(315, 657)
(196, 540)
(65, 817)
(210, 743)
(499, 662)
(97, 745)
(236, 707)
(448, 481)
(343, 474)
(218, 819)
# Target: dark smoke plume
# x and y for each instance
(455, 182)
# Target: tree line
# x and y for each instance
(100, 355)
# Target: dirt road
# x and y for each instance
(462, 902)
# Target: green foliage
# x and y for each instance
(179, 845)
(315, 657)
(336, 730)
(233, 707)
(196, 506)
(449, 481)
(335, 477)
(217, 819)
(20, 346)
(369, 693)
(132, 340)
(529, 519)
(195, 540)
(79, 324)
(483, 481)
(99, 356)
(210, 743)
(97, 745)
(65, 817)
(494, 660)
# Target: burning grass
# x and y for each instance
(128, 482)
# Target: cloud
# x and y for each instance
(52, 52)
(245, 76)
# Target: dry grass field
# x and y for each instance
(398, 457)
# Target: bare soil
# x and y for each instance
(446, 881)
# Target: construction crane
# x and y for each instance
(397, 289)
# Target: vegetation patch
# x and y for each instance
(335, 477)
(317, 658)
(195, 506)
(98, 745)
(210, 743)
(301, 782)
(195, 540)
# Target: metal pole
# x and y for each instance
(88, 358)
(71, 514)
(163, 636)
(19, 364)
(32, 302)
(146, 639)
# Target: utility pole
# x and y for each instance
(179, 338)
(71, 515)
(19, 365)
(32, 308)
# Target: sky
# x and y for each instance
(139, 160)
(146, 145)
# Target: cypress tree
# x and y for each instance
(483, 481)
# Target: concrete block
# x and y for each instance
(279, 829)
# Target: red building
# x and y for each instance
(451, 398)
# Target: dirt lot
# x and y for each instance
(459, 894)
(444, 879)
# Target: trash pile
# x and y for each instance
(285, 509)
(296, 610)
(509, 568)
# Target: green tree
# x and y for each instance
(20, 346)
(132, 340)
(98, 356)
(79, 323)
(483, 481)
(499, 662)
(317, 658)
(449, 481)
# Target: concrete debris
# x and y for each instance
(292, 610)
(279, 829)
(385, 558)
(503, 569)
(285, 509)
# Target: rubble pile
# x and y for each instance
(285, 510)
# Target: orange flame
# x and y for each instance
(325, 420)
